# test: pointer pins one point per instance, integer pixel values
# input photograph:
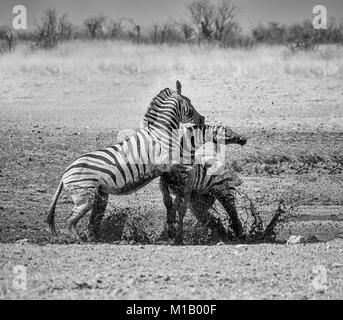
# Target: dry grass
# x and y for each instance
(127, 58)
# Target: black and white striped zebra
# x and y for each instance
(128, 165)
(211, 179)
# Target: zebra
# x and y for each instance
(129, 165)
(211, 179)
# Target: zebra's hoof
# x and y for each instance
(178, 241)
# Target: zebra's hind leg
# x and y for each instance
(83, 199)
(97, 213)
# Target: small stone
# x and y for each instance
(337, 265)
(295, 240)
(117, 291)
(22, 241)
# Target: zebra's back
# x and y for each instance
(119, 169)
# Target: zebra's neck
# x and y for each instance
(163, 115)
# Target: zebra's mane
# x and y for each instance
(194, 127)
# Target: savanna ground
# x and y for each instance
(58, 104)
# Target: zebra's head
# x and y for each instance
(188, 114)
(221, 134)
(194, 139)
(217, 134)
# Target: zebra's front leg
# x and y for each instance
(227, 198)
(168, 203)
(181, 214)
(183, 203)
(200, 206)
(175, 209)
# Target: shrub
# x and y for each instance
(302, 36)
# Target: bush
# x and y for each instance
(165, 33)
(273, 33)
(302, 36)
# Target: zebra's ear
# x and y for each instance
(178, 87)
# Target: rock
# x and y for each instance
(295, 240)
(337, 265)
(22, 241)
(312, 239)
(220, 243)
(83, 285)
(117, 291)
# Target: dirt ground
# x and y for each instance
(110, 271)
(294, 124)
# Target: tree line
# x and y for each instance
(208, 22)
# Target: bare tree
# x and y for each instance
(136, 30)
(154, 33)
(224, 20)
(7, 39)
(64, 28)
(47, 34)
(95, 26)
(164, 32)
(186, 30)
(211, 19)
(52, 30)
(202, 14)
(114, 29)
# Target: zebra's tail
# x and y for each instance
(50, 218)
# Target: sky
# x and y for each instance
(252, 12)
